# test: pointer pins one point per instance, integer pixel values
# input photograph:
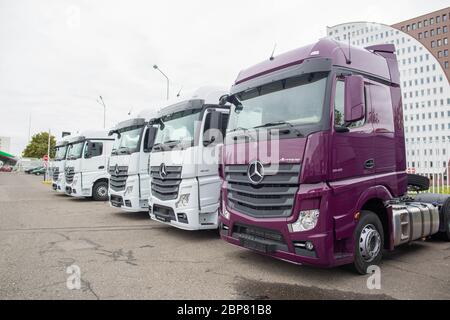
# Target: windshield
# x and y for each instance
(60, 153)
(293, 101)
(74, 151)
(127, 141)
(178, 127)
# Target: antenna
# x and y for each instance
(349, 60)
(179, 92)
(273, 52)
(131, 110)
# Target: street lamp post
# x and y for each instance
(167, 79)
(104, 110)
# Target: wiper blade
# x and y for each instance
(123, 150)
(278, 123)
(172, 141)
(238, 129)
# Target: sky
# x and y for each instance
(57, 57)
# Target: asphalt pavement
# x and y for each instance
(56, 247)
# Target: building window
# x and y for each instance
(444, 29)
(446, 53)
(438, 19)
(444, 18)
(431, 32)
(438, 30)
(425, 34)
(431, 21)
(425, 23)
(433, 44)
(420, 35)
(446, 64)
(419, 24)
(407, 27)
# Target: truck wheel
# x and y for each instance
(100, 191)
(369, 242)
(445, 211)
(418, 182)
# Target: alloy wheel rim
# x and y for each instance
(369, 243)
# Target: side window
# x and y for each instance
(146, 140)
(339, 102)
(96, 149)
(383, 114)
(223, 125)
(225, 117)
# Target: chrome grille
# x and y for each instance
(273, 197)
(167, 188)
(118, 179)
(69, 173)
(55, 172)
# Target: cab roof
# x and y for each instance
(368, 60)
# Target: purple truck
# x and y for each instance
(314, 160)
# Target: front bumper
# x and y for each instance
(272, 237)
(187, 217)
(131, 201)
(60, 184)
(74, 189)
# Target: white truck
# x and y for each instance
(58, 164)
(86, 173)
(129, 182)
(184, 162)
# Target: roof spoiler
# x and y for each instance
(389, 48)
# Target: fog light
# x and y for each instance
(184, 200)
(309, 246)
(307, 220)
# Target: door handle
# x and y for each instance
(369, 164)
(101, 167)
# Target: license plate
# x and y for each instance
(115, 204)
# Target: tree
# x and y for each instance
(37, 147)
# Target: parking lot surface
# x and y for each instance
(127, 256)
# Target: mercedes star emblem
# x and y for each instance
(162, 171)
(116, 170)
(255, 172)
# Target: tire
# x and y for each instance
(369, 242)
(418, 182)
(100, 191)
(445, 212)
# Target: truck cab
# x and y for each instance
(85, 171)
(332, 190)
(185, 184)
(58, 164)
(129, 184)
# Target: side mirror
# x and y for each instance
(152, 131)
(223, 99)
(354, 98)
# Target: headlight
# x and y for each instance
(184, 200)
(128, 190)
(307, 220)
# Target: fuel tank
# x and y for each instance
(414, 220)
